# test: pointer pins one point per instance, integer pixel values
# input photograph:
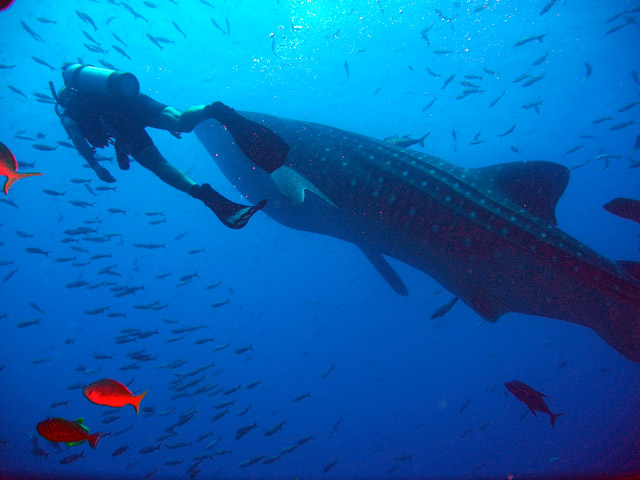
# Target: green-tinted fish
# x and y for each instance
(448, 81)
(37, 251)
(406, 142)
(154, 41)
(44, 148)
(135, 14)
(164, 40)
(120, 51)
(16, 90)
(575, 149)
(42, 62)
(95, 48)
(31, 32)
(86, 19)
(525, 40)
(53, 193)
(46, 20)
(540, 59)
(179, 29)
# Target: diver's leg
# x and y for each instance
(262, 146)
(233, 215)
(173, 120)
(151, 158)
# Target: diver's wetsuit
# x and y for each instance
(101, 118)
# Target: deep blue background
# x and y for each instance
(303, 301)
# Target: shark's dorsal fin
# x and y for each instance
(292, 185)
(383, 268)
(536, 186)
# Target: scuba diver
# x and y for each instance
(99, 107)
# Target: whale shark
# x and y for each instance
(489, 235)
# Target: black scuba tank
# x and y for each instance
(101, 81)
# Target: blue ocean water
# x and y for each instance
(392, 393)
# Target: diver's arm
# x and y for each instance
(83, 147)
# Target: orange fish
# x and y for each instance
(113, 394)
(9, 168)
(67, 431)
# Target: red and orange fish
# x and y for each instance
(112, 393)
(9, 168)
(531, 398)
(68, 431)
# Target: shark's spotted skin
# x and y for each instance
(487, 234)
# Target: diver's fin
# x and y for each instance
(233, 215)
(292, 185)
(261, 145)
(388, 273)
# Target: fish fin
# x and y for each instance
(136, 400)
(73, 444)
(94, 439)
(536, 186)
(533, 411)
(292, 186)
(632, 268)
(553, 416)
(383, 268)
(624, 208)
(14, 177)
(79, 420)
(484, 304)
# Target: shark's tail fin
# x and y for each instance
(621, 326)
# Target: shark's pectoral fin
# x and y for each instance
(386, 270)
(292, 185)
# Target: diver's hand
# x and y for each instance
(104, 174)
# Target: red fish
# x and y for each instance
(67, 431)
(531, 398)
(9, 165)
(113, 394)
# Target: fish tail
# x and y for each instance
(14, 177)
(136, 401)
(553, 416)
(94, 439)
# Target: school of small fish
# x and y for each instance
(89, 249)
